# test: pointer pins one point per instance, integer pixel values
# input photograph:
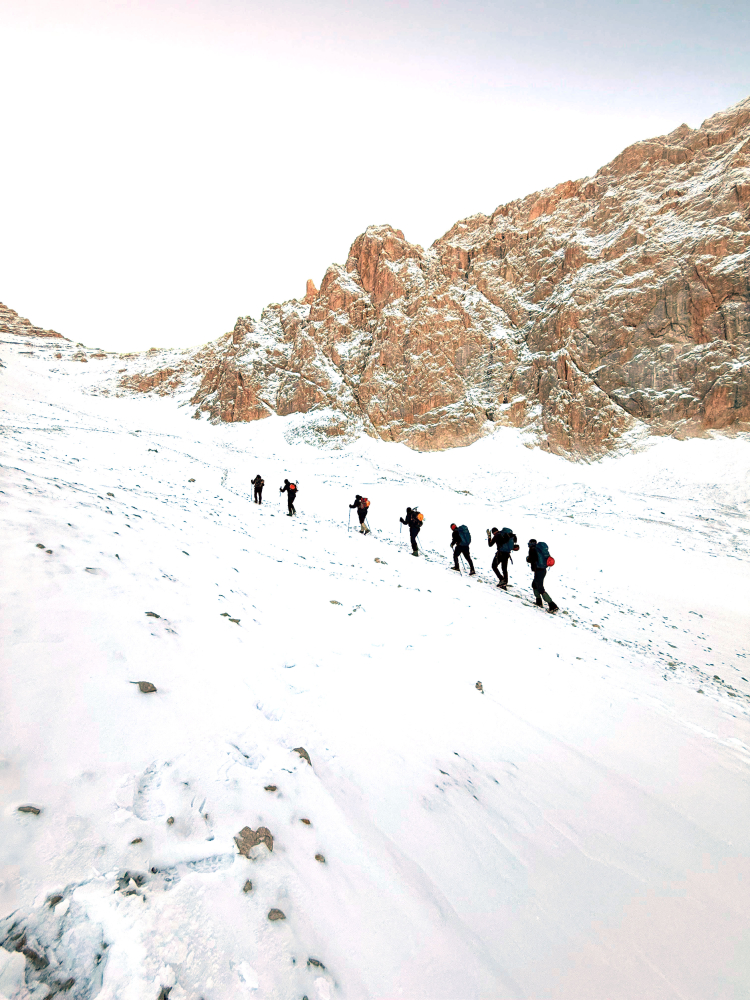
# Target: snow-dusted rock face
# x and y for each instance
(613, 305)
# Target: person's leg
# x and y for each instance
(361, 514)
(468, 560)
(538, 585)
(504, 565)
(495, 563)
(260, 495)
(413, 536)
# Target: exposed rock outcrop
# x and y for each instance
(587, 314)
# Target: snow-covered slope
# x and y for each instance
(577, 830)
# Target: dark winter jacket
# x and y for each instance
(456, 538)
(533, 559)
(503, 540)
(411, 521)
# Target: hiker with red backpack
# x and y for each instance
(506, 543)
(413, 522)
(291, 495)
(361, 505)
(460, 542)
(540, 560)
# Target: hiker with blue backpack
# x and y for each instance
(506, 543)
(540, 560)
(460, 542)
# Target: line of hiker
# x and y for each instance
(506, 543)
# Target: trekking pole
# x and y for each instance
(349, 522)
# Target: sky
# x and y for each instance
(168, 166)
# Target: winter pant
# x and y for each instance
(413, 532)
(361, 514)
(258, 494)
(290, 504)
(462, 550)
(501, 559)
(537, 585)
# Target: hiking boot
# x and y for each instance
(552, 607)
(501, 585)
(455, 569)
(415, 553)
(473, 573)
(539, 602)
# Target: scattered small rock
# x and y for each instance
(235, 620)
(89, 569)
(320, 858)
(191, 480)
(154, 450)
(34, 810)
(165, 990)
(303, 754)
(335, 602)
(145, 687)
(185, 553)
(306, 822)
(248, 886)
(247, 839)
(314, 961)
(110, 494)
(138, 840)
(41, 545)
(152, 614)
(718, 679)
(276, 915)
(224, 614)
(269, 788)
(479, 687)
(170, 821)
(54, 900)
(48, 551)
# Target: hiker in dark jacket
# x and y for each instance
(291, 495)
(505, 541)
(538, 563)
(414, 525)
(361, 505)
(257, 485)
(460, 545)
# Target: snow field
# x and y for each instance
(577, 831)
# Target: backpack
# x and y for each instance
(544, 559)
(292, 488)
(420, 517)
(364, 503)
(465, 535)
(507, 541)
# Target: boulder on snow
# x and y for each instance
(303, 754)
(152, 614)
(320, 858)
(145, 687)
(248, 886)
(269, 788)
(307, 822)
(276, 915)
(34, 810)
(247, 839)
(479, 687)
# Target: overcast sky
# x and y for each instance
(168, 166)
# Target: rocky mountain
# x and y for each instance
(588, 314)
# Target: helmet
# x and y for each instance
(453, 526)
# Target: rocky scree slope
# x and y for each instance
(588, 314)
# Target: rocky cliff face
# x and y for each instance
(587, 313)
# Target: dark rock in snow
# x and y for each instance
(145, 687)
(315, 962)
(276, 915)
(270, 788)
(248, 886)
(54, 900)
(29, 809)
(40, 545)
(320, 858)
(170, 821)
(247, 839)
(152, 614)
(138, 840)
(303, 754)
(306, 822)
(479, 687)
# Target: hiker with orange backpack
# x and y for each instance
(413, 522)
(540, 560)
(460, 542)
(361, 505)
(291, 495)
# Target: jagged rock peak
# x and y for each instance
(588, 314)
